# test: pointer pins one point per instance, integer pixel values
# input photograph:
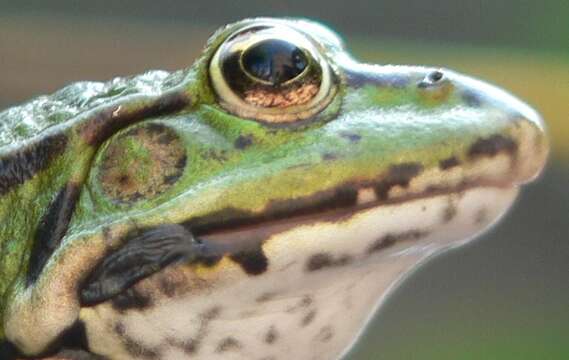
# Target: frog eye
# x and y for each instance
(272, 74)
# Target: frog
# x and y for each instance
(262, 203)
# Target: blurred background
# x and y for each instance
(506, 296)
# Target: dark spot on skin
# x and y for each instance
(119, 328)
(343, 260)
(397, 175)
(325, 334)
(123, 179)
(131, 299)
(449, 163)
(165, 139)
(171, 179)
(167, 287)
(253, 262)
(308, 318)
(434, 189)
(383, 243)
(319, 261)
(162, 137)
(107, 122)
(305, 302)
(210, 261)
(134, 348)
(329, 156)
(243, 141)
(21, 165)
(139, 351)
(228, 344)
(449, 212)
(481, 216)
(189, 347)
(391, 239)
(271, 336)
(181, 163)
(205, 318)
(471, 98)
(211, 314)
(9, 351)
(51, 229)
(75, 337)
(268, 296)
(71, 343)
(217, 155)
(491, 146)
(352, 137)
(192, 346)
(323, 260)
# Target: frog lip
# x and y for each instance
(254, 228)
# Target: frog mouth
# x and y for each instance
(236, 230)
(241, 235)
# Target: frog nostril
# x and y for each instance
(435, 76)
(433, 79)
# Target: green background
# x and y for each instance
(505, 296)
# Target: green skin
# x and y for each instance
(379, 118)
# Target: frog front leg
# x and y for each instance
(55, 299)
(145, 253)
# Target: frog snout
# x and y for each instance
(511, 118)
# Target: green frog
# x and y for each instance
(260, 204)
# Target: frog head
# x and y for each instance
(262, 201)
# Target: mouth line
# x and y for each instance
(240, 233)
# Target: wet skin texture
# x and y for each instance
(198, 175)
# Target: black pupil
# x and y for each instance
(275, 61)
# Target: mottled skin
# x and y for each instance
(83, 169)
